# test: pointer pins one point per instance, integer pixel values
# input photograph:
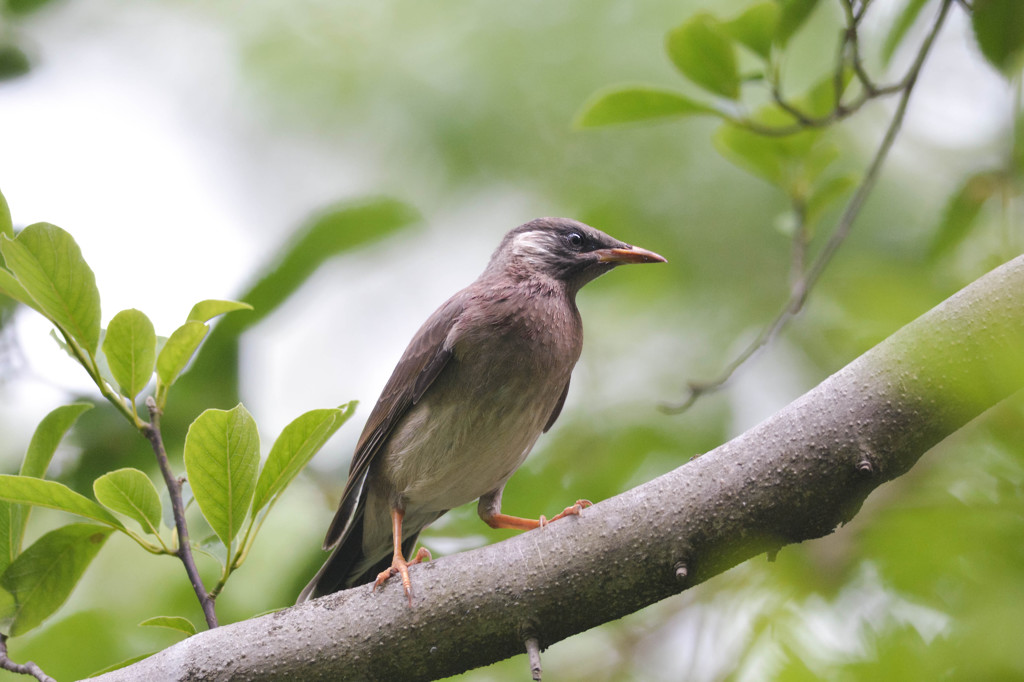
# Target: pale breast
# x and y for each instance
(478, 421)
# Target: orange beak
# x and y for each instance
(628, 254)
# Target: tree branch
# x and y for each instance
(796, 476)
(184, 551)
(29, 668)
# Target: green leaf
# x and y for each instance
(703, 52)
(132, 493)
(49, 265)
(755, 27)
(222, 453)
(171, 622)
(179, 349)
(899, 28)
(8, 610)
(999, 29)
(47, 436)
(28, 490)
(635, 104)
(293, 449)
(130, 348)
(204, 311)
(794, 15)
(11, 287)
(793, 162)
(6, 225)
(779, 160)
(43, 576)
(962, 211)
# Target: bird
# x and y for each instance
(481, 380)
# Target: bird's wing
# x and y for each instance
(423, 361)
(558, 408)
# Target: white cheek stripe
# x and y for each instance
(531, 246)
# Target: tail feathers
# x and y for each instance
(348, 566)
(333, 575)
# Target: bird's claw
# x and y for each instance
(399, 566)
(573, 510)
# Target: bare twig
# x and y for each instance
(184, 551)
(28, 668)
(801, 287)
(533, 654)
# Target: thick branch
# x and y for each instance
(796, 476)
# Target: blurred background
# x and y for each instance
(203, 150)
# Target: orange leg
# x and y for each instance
(518, 523)
(398, 563)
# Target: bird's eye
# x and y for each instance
(575, 239)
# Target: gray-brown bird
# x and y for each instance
(482, 379)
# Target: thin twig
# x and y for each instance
(851, 42)
(184, 551)
(533, 653)
(801, 288)
(849, 60)
(871, 176)
(28, 668)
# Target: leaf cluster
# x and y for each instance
(737, 63)
(44, 269)
(785, 141)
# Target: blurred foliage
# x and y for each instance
(453, 104)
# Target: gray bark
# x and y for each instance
(796, 476)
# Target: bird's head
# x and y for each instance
(565, 250)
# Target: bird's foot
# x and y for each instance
(573, 510)
(399, 566)
(517, 523)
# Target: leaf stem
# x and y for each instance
(145, 544)
(184, 552)
(87, 361)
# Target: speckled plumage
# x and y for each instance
(484, 376)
